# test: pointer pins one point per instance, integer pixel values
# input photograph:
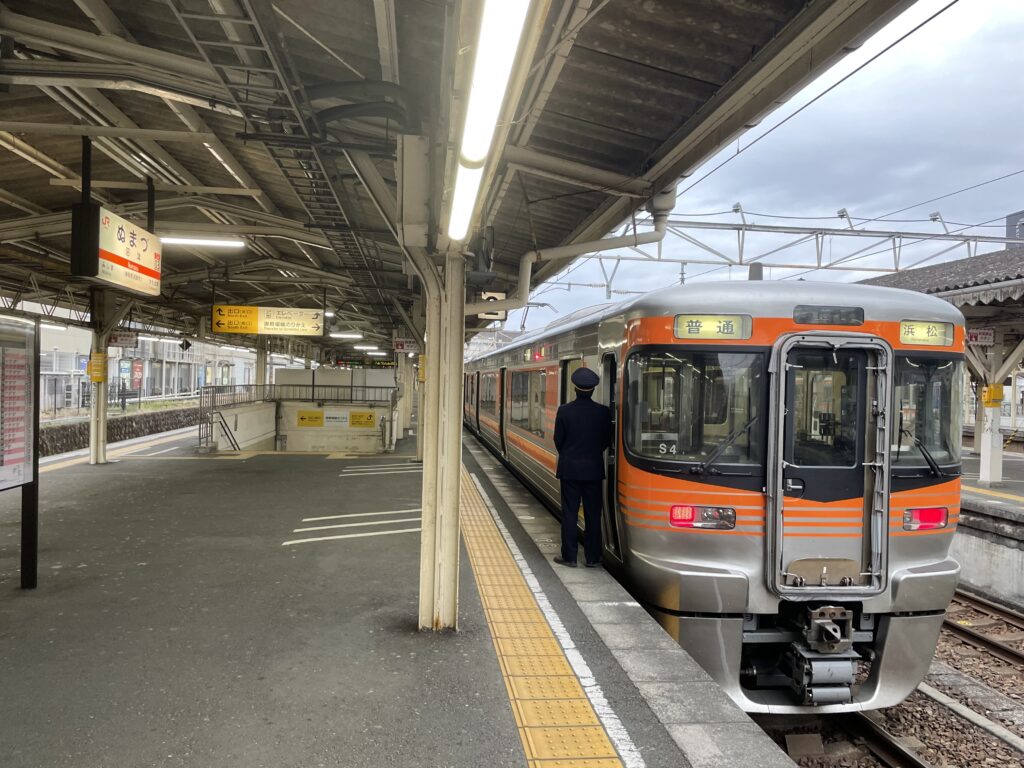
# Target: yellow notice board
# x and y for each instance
(311, 418)
(98, 367)
(362, 419)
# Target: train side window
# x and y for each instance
(488, 392)
(529, 399)
(569, 367)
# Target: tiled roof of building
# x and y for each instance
(986, 269)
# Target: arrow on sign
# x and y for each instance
(316, 327)
(220, 311)
(220, 324)
(316, 315)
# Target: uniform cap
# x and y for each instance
(584, 378)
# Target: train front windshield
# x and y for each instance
(929, 402)
(684, 406)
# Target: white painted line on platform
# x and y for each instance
(382, 472)
(357, 525)
(165, 450)
(357, 467)
(630, 755)
(348, 536)
(362, 514)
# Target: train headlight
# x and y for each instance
(925, 519)
(689, 516)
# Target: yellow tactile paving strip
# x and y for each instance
(988, 492)
(557, 723)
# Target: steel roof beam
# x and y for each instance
(180, 189)
(37, 32)
(52, 129)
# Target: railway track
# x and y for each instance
(990, 643)
(883, 745)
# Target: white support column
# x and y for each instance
(991, 468)
(261, 362)
(429, 441)
(98, 408)
(446, 583)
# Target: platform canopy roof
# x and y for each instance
(284, 123)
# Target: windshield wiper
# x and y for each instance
(703, 467)
(933, 465)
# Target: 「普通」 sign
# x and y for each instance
(311, 418)
(713, 326)
(982, 337)
(926, 333)
(276, 321)
(362, 419)
(17, 403)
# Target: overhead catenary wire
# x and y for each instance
(821, 95)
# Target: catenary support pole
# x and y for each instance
(430, 426)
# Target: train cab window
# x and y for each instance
(529, 393)
(928, 399)
(488, 392)
(569, 367)
(685, 405)
(825, 409)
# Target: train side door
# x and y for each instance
(501, 410)
(611, 517)
(830, 494)
(475, 404)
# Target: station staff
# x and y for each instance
(583, 431)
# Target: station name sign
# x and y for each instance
(266, 321)
(111, 250)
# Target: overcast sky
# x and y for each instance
(939, 112)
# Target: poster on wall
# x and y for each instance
(17, 401)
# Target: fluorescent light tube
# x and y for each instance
(366, 346)
(51, 327)
(467, 185)
(204, 241)
(346, 335)
(500, 31)
(377, 354)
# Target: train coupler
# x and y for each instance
(821, 678)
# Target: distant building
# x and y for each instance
(1015, 225)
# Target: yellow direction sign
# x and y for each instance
(362, 419)
(311, 418)
(276, 321)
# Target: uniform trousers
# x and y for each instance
(589, 491)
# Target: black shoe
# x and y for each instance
(593, 565)
(566, 563)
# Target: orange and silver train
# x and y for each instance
(783, 485)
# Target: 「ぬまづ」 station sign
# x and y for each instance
(114, 251)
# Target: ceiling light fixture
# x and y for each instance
(377, 354)
(346, 335)
(52, 327)
(366, 346)
(500, 31)
(209, 242)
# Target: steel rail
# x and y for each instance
(989, 643)
(882, 744)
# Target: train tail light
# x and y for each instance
(689, 516)
(925, 519)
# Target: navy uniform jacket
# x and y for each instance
(583, 430)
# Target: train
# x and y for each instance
(784, 480)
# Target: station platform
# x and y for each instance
(260, 610)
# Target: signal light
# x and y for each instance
(925, 519)
(689, 516)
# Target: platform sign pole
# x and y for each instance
(30, 491)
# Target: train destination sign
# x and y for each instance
(267, 321)
(112, 250)
(926, 333)
(713, 326)
(17, 406)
